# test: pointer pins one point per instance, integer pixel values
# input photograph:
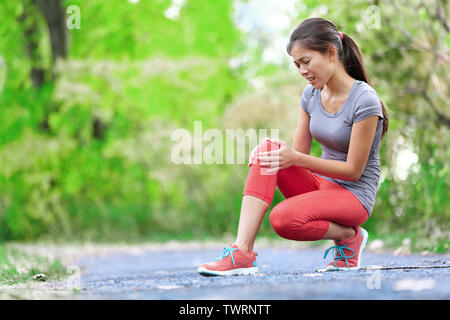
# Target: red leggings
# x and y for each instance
(311, 201)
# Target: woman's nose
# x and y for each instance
(303, 70)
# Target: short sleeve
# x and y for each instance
(368, 104)
(306, 97)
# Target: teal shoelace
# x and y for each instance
(342, 256)
(226, 252)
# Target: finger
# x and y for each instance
(269, 153)
(270, 163)
(269, 158)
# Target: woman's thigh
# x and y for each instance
(335, 204)
(296, 180)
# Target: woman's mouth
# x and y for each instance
(311, 79)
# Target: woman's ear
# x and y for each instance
(332, 53)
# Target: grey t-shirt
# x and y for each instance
(333, 131)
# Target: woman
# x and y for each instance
(327, 197)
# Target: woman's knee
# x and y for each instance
(282, 222)
(276, 220)
(292, 224)
(263, 146)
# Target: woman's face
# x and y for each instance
(314, 66)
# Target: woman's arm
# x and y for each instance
(361, 141)
(302, 137)
(331, 168)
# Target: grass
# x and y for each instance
(17, 267)
(413, 240)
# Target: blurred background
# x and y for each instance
(91, 92)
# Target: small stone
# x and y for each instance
(40, 277)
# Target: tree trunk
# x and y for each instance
(31, 35)
(54, 15)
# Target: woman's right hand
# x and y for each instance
(252, 154)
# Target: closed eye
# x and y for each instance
(298, 66)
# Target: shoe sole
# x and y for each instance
(235, 272)
(365, 235)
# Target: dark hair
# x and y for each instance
(318, 34)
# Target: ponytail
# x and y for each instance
(354, 65)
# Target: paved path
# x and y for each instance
(285, 273)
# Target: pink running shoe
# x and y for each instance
(232, 261)
(347, 253)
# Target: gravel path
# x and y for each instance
(285, 273)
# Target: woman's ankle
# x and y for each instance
(349, 234)
(244, 247)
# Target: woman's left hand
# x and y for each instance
(279, 159)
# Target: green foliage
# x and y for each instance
(87, 154)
